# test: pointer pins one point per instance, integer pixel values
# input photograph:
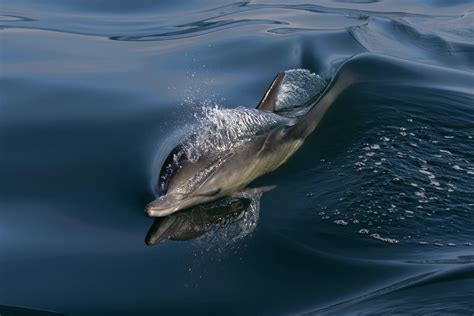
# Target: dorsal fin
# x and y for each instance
(267, 104)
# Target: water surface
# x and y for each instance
(373, 215)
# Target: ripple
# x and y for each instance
(14, 18)
(158, 26)
(195, 29)
(399, 38)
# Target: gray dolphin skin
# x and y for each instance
(196, 221)
(215, 176)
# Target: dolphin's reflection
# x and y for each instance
(197, 221)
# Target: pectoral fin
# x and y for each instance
(252, 191)
(268, 102)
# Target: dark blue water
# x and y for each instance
(373, 215)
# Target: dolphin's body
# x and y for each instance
(215, 176)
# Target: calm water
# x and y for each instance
(373, 215)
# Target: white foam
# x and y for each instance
(341, 222)
(384, 239)
(220, 130)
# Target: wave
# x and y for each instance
(396, 37)
(444, 291)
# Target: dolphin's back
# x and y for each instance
(191, 156)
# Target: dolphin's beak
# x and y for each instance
(161, 207)
(161, 229)
(167, 205)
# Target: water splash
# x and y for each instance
(298, 88)
(227, 233)
(219, 130)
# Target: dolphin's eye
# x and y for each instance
(284, 129)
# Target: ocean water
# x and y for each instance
(373, 215)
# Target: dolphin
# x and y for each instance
(215, 176)
(201, 219)
(197, 221)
